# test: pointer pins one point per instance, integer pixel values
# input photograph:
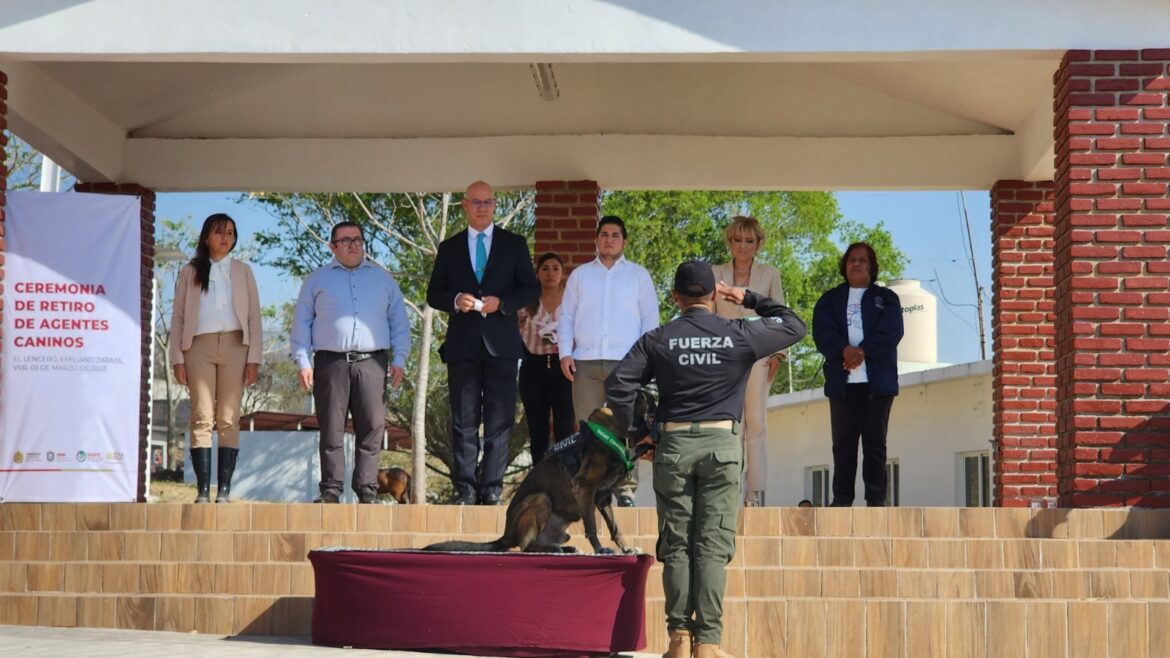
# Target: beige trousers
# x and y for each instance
(755, 427)
(215, 381)
(589, 394)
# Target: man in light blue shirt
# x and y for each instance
(348, 314)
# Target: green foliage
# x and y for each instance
(805, 237)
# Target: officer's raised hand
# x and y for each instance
(729, 293)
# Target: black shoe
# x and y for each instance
(490, 498)
(625, 500)
(368, 498)
(201, 464)
(227, 466)
(875, 503)
(464, 499)
(840, 503)
(328, 497)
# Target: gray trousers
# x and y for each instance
(358, 388)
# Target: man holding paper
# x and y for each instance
(482, 276)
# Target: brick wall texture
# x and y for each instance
(566, 220)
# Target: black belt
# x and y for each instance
(351, 357)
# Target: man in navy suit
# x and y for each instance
(482, 276)
(857, 327)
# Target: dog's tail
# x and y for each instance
(456, 546)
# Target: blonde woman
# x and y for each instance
(744, 236)
(215, 349)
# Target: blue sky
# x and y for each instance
(926, 226)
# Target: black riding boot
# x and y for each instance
(201, 464)
(227, 466)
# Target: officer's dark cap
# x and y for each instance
(694, 278)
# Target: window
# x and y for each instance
(820, 485)
(893, 483)
(975, 478)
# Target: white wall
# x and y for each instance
(937, 415)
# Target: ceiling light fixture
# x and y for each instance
(546, 82)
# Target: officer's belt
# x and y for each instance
(674, 426)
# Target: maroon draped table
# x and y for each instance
(505, 604)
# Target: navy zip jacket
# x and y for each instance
(881, 321)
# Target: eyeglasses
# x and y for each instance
(482, 203)
(349, 242)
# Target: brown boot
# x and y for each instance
(680, 644)
(710, 651)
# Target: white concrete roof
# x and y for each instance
(397, 95)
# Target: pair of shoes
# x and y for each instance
(680, 644)
(625, 500)
(710, 651)
(490, 498)
(464, 499)
(368, 497)
(754, 499)
(327, 497)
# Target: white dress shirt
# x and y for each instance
(216, 312)
(605, 310)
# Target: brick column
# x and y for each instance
(1112, 334)
(146, 284)
(1024, 364)
(566, 219)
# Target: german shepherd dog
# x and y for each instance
(395, 482)
(565, 487)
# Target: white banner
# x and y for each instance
(72, 348)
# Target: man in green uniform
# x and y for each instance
(701, 363)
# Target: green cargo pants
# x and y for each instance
(696, 479)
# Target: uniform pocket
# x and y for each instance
(727, 456)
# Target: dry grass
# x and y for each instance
(162, 491)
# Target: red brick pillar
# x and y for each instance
(1022, 331)
(146, 285)
(566, 219)
(1113, 307)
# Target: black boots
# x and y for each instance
(227, 466)
(201, 464)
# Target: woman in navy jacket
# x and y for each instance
(857, 327)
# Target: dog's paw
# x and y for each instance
(569, 549)
(605, 551)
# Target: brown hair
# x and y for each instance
(873, 261)
(532, 308)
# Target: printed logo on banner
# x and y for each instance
(18, 458)
(80, 455)
(50, 456)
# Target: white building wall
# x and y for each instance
(938, 414)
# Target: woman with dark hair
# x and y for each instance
(543, 387)
(857, 327)
(216, 344)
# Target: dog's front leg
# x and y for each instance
(589, 518)
(604, 502)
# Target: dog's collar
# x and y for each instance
(612, 442)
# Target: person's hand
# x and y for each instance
(306, 377)
(649, 454)
(853, 357)
(396, 373)
(774, 362)
(568, 367)
(729, 293)
(465, 302)
(180, 373)
(251, 373)
(491, 304)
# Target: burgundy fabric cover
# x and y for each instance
(504, 604)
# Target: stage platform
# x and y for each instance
(912, 581)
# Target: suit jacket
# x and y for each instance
(881, 322)
(763, 279)
(245, 301)
(508, 275)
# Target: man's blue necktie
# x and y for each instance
(480, 257)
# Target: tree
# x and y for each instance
(805, 236)
(24, 165)
(403, 232)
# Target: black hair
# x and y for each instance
(340, 225)
(532, 308)
(202, 260)
(873, 261)
(615, 220)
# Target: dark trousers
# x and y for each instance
(859, 414)
(482, 389)
(357, 388)
(544, 390)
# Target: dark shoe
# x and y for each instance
(201, 464)
(227, 466)
(625, 500)
(875, 503)
(328, 497)
(840, 503)
(368, 497)
(464, 499)
(490, 498)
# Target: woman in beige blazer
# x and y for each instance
(744, 237)
(216, 344)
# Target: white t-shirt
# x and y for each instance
(856, 334)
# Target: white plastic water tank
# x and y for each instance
(920, 318)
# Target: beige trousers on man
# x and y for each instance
(589, 394)
(215, 380)
(755, 427)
